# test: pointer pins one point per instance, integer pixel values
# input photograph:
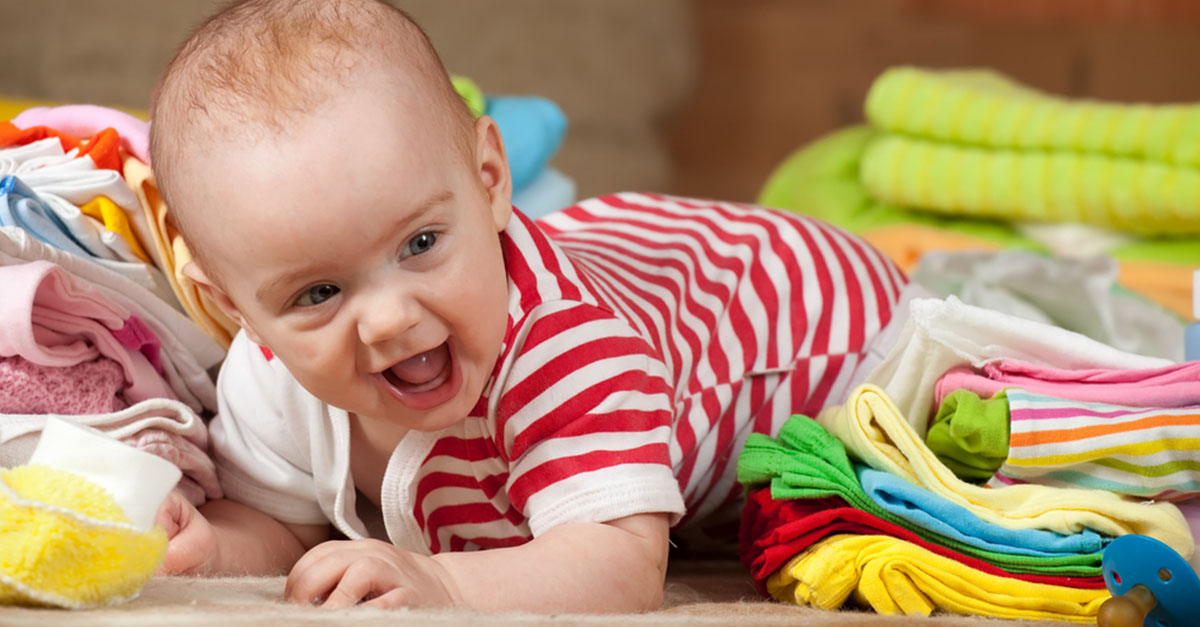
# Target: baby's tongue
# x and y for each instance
(422, 368)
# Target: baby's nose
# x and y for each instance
(383, 319)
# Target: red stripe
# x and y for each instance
(567, 290)
(554, 324)
(458, 543)
(468, 450)
(553, 471)
(577, 410)
(656, 304)
(466, 514)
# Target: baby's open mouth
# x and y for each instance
(422, 372)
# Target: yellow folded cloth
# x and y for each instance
(875, 431)
(172, 254)
(114, 219)
(894, 576)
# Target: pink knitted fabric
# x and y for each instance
(90, 387)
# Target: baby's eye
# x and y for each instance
(421, 243)
(317, 294)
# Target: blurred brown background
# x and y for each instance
(774, 74)
(696, 97)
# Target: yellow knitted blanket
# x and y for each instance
(65, 542)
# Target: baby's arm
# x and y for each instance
(226, 537)
(616, 566)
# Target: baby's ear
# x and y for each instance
(209, 288)
(493, 170)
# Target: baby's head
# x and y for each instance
(341, 203)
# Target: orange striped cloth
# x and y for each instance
(1148, 452)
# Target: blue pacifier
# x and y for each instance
(1151, 584)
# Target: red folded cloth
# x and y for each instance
(774, 531)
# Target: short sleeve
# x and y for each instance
(584, 417)
(260, 461)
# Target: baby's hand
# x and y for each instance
(192, 541)
(344, 573)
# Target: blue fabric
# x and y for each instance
(550, 191)
(926, 510)
(532, 128)
(21, 207)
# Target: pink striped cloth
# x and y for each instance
(1176, 385)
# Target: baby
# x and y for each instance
(485, 411)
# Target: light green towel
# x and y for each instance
(1141, 197)
(974, 143)
(983, 108)
(821, 180)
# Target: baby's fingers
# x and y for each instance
(397, 597)
(313, 580)
(362, 581)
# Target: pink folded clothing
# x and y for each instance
(167, 428)
(51, 318)
(90, 387)
(199, 482)
(1175, 385)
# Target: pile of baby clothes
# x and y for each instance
(856, 506)
(955, 160)
(97, 324)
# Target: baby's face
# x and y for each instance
(362, 250)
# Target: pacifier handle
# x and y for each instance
(1127, 610)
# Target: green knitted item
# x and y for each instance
(970, 434)
(983, 108)
(821, 179)
(1139, 197)
(471, 94)
(805, 461)
(974, 143)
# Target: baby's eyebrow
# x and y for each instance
(419, 209)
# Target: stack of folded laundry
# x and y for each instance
(98, 325)
(957, 160)
(879, 502)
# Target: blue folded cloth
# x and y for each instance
(533, 128)
(926, 510)
(550, 191)
(20, 206)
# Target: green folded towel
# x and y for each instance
(983, 108)
(805, 461)
(1140, 197)
(821, 180)
(974, 143)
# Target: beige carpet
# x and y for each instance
(698, 592)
